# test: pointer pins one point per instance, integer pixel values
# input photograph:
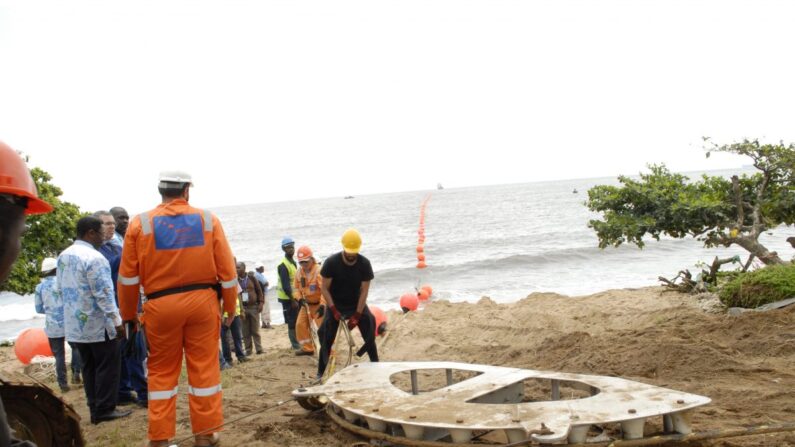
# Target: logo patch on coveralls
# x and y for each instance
(172, 232)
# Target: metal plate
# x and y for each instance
(492, 400)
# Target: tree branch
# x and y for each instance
(760, 192)
(738, 198)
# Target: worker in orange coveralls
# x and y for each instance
(180, 256)
(306, 289)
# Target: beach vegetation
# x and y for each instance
(759, 287)
(715, 210)
(46, 235)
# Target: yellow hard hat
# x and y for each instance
(351, 241)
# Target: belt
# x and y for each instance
(180, 289)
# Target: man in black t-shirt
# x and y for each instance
(346, 283)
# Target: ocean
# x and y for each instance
(503, 242)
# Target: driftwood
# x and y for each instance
(686, 283)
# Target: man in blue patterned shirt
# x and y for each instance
(91, 318)
(48, 302)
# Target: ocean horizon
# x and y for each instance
(501, 241)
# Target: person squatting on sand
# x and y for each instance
(91, 318)
(251, 298)
(48, 301)
(284, 289)
(180, 256)
(346, 283)
(306, 290)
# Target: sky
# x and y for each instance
(267, 101)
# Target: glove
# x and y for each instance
(335, 312)
(302, 302)
(353, 321)
(321, 311)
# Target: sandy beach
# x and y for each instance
(745, 364)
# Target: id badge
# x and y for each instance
(245, 297)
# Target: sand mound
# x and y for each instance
(744, 363)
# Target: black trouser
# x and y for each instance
(328, 332)
(290, 312)
(101, 370)
(59, 352)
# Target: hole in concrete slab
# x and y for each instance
(430, 379)
(537, 390)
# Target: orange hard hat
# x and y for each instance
(304, 253)
(15, 180)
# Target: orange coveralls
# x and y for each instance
(169, 248)
(309, 289)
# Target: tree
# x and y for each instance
(46, 236)
(714, 210)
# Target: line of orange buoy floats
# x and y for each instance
(32, 342)
(409, 301)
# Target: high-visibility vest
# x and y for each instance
(291, 268)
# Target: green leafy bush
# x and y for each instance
(47, 235)
(753, 289)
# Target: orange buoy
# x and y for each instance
(420, 248)
(421, 265)
(380, 320)
(420, 256)
(30, 343)
(428, 288)
(409, 302)
(423, 295)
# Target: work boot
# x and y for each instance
(76, 378)
(158, 443)
(207, 440)
(293, 339)
(302, 352)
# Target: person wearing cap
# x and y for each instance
(181, 258)
(251, 297)
(284, 289)
(345, 286)
(18, 198)
(265, 315)
(48, 301)
(306, 290)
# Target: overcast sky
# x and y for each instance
(270, 101)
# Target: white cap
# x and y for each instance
(48, 264)
(169, 178)
(259, 265)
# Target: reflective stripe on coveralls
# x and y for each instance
(204, 392)
(183, 246)
(314, 298)
(125, 281)
(163, 395)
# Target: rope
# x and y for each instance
(247, 415)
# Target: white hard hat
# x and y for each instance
(168, 178)
(259, 265)
(48, 264)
